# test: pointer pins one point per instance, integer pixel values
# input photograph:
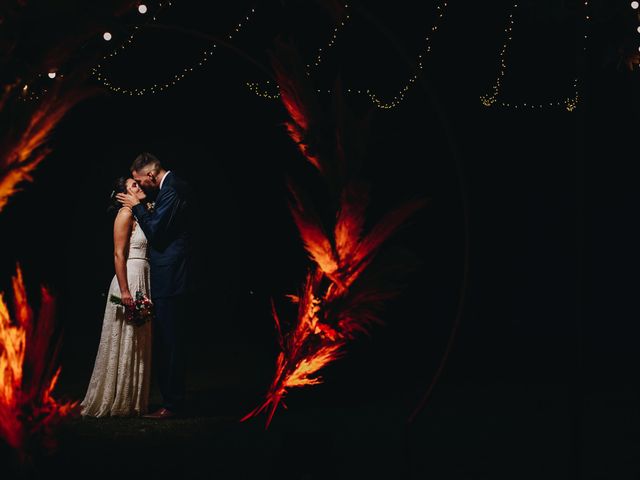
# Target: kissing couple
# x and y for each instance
(153, 259)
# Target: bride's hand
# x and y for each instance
(127, 299)
(127, 199)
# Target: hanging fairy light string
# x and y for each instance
(400, 96)
(28, 95)
(373, 97)
(262, 92)
(28, 92)
(269, 91)
(492, 99)
(159, 87)
(334, 36)
(142, 9)
(489, 99)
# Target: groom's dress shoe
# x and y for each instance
(160, 414)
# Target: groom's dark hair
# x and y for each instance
(145, 159)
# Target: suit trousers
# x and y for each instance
(169, 349)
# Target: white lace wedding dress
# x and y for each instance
(119, 384)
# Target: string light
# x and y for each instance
(28, 91)
(635, 5)
(400, 96)
(334, 36)
(28, 94)
(255, 88)
(159, 87)
(263, 92)
(373, 97)
(491, 99)
(32, 97)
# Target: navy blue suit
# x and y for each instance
(169, 230)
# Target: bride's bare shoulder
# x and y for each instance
(124, 217)
(126, 211)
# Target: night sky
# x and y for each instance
(545, 200)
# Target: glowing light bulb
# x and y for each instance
(635, 5)
(106, 36)
(142, 8)
(52, 74)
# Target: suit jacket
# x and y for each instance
(169, 229)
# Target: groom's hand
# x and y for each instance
(128, 199)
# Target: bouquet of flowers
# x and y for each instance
(141, 312)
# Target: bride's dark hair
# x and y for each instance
(119, 186)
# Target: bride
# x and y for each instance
(119, 384)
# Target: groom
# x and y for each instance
(168, 228)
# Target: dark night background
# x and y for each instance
(542, 379)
